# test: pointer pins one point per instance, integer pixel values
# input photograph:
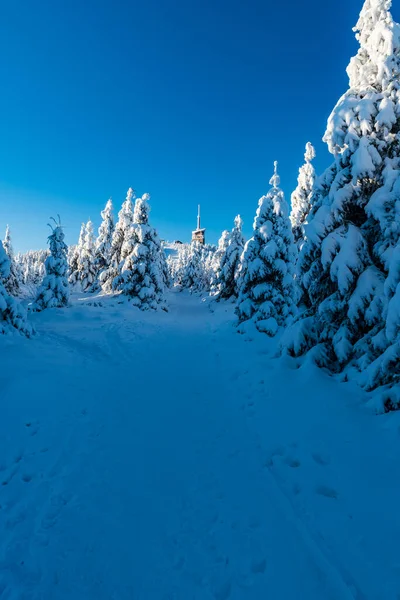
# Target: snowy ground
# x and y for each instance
(166, 457)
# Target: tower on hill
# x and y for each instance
(199, 234)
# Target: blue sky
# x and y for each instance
(189, 101)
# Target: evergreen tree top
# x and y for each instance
(223, 240)
(300, 198)
(107, 209)
(238, 222)
(128, 202)
(377, 62)
(369, 109)
(82, 234)
(275, 179)
(56, 239)
(272, 203)
(89, 238)
(8, 243)
(130, 195)
(142, 210)
(309, 154)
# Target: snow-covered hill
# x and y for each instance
(163, 456)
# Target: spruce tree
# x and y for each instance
(104, 239)
(12, 315)
(227, 277)
(87, 268)
(122, 228)
(216, 259)
(143, 271)
(266, 285)
(31, 267)
(74, 257)
(13, 281)
(54, 291)
(349, 264)
(208, 265)
(177, 265)
(198, 271)
(301, 197)
(193, 273)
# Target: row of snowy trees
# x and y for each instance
(127, 258)
(346, 224)
(207, 268)
(329, 272)
(349, 264)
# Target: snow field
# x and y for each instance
(161, 455)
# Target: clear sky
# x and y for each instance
(189, 100)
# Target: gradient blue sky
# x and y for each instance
(190, 100)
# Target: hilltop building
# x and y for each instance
(199, 234)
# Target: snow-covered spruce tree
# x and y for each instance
(208, 264)
(217, 256)
(14, 279)
(25, 263)
(54, 291)
(104, 239)
(266, 283)
(301, 197)
(177, 264)
(198, 270)
(143, 270)
(141, 217)
(87, 268)
(31, 267)
(125, 220)
(227, 276)
(74, 258)
(12, 315)
(349, 264)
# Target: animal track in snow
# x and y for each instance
(258, 566)
(328, 492)
(33, 427)
(321, 459)
(57, 503)
(10, 477)
(292, 462)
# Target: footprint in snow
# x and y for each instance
(10, 477)
(328, 492)
(57, 503)
(292, 462)
(258, 566)
(321, 459)
(32, 427)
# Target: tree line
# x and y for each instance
(325, 274)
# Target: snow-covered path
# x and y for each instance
(134, 466)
